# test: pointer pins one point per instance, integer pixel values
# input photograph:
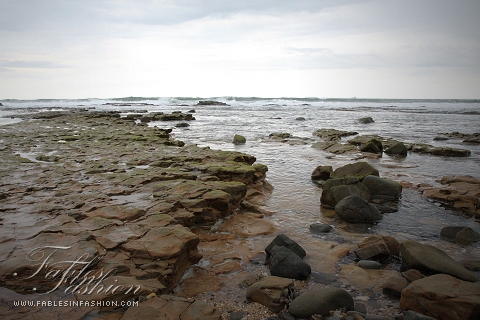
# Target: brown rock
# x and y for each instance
(122, 213)
(394, 285)
(412, 275)
(272, 292)
(377, 247)
(443, 297)
(461, 193)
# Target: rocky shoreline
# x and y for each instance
(167, 225)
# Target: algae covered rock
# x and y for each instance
(239, 139)
(358, 170)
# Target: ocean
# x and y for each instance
(295, 199)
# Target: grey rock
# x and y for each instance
(335, 190)
(320, 228)
(320, 301)
(382, 189)
(239, 139)
(460, 235)
(322, 173)
(355, 209)
(366, 120)
(284, 241)
(358, 170)
(372, 146)
(398, 148)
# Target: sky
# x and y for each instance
(420, 49)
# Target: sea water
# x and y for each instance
(295, 199)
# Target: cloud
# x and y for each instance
(31, 64)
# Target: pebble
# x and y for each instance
(369, 264)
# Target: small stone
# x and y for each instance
(238, 139)
(412, 275)
(369, 264)
(320, 228)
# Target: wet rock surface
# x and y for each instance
(443, 297)
(461, 193)
(117, 198)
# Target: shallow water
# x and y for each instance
(296, 200)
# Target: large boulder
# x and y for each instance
(372, 146)
(272, 292)
(424, 257)
(283, 240)
(320, 301)
(382, 189)
(443, 297)
(321, 173)
(397, 149)
(287, 264)
(335, 190)
(358, 170)
(356, 209)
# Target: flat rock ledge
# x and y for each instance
(95, 195)
(461, 193)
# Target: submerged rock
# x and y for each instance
(443, 297)
(333, 134)
(211, 103)
(239, 139)
(460, 235)
(320, 301)
(366, 120)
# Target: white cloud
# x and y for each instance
(92, 48)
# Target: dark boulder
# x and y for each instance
(285, 263)
(397, 149)
(382, 189)
(321, 301)
(322, 173)
(372, 146)
(356, 209)
(238, 139)
(335, 190)
(358, 170)
(460, 235)
(366, 120)
(283, 240)
(211, 103)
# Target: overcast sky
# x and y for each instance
(263, 48)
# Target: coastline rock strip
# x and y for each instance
(107, 189)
